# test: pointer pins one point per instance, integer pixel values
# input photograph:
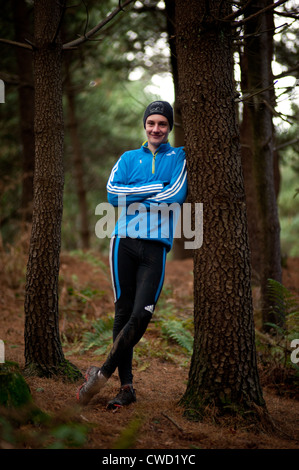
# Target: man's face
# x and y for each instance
(157, 130)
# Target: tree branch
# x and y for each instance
(9, 78)
(275, 113)
(287, 72)
(247, 96)
(263, 10)
(286, 144)
(237, 13)
(17, 44)
(93, 31)
(288, 14)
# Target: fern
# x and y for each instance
(284, 303)
(277, 349)
(177, 331)
(100, 337)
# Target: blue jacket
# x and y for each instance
(150, 188)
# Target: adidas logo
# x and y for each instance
(171, 153)
(150, 308)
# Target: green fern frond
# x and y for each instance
(284, 302)
(100, 337)
(176, 330)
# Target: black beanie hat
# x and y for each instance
(159, 107)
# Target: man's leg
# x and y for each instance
(123, 269)
(130, 325)
(149, 281)
(123, 265)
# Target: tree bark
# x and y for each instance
(258, 54)
(78, 162)
(43, 351)
(223, 371)
(178, 249)
(26, 105)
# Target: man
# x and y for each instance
(150, 181)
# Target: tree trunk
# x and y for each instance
(26, 105)
(178, 250)
(78, 161)
(258, 53)
(43, 351)
(254, 225)
(223, 371)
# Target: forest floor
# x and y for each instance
(156, 420)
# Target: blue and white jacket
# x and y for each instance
(151, 189)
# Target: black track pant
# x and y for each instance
(137, 271)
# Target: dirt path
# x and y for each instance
(156, 420)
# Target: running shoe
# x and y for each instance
(125, 396)
(94, 382)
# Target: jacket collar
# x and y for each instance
(162, 147)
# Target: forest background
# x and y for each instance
(107, 85)
(106, 88)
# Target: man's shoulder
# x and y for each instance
(131, 153)
(179, 151)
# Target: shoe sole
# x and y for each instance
(87, 399)
(112, 405)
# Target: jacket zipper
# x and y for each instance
(153, 160)
(154, 163)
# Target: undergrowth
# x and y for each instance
(169, 335)
(278, 359)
